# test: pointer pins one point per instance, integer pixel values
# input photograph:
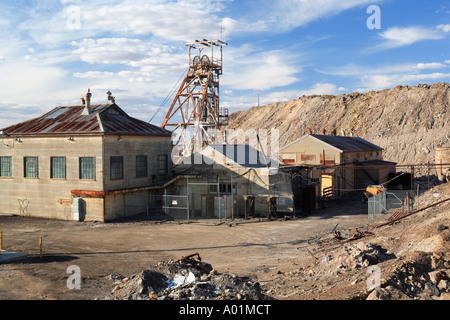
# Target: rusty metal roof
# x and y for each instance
(348, 144)
(103, 119)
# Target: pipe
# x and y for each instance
(409, 214)
(122, 191)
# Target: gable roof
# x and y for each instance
(342, 143)
(244, 155)
(241, 155)
(103, 119)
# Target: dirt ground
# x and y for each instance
(285, 256)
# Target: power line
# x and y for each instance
(168, 96)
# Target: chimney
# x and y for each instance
(82, 101)
(308, 130)
(87, 108)
(111, 99)
(324, 132)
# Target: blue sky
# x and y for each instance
(54, 50)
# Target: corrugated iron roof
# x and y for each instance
(348, 144)
(103, 119)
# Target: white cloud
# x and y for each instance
(379, 82)
(385, 76)
(29, 80)
(284, 15)
(444, 27)
(111, 50)
(321, 89)
(358, 70)
(279, 96)
(398, 37)
(174, 20)
(94, 75)
(249, 69)
(145, 56)
(432, 65)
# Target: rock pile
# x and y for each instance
(419, 276)
(184, 279)
(353, 256)
(408, 122)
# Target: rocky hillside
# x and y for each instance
(408, 122)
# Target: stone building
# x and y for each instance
(89, 162)
(347, 163)
(229, 181)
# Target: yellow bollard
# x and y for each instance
(1, 240)
(40, 247)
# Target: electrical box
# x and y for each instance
(77, 209)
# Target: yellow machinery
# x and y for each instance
(374, 190)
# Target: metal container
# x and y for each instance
(442, 153)
(442, 156)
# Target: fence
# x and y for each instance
(169, 207)
(392, 202)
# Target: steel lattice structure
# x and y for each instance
(197, 100)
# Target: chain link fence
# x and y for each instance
(392, 202)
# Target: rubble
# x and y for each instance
(413, 279)
(355, 256)
(187, 278)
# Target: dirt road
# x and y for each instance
(257, 249)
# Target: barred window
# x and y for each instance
(31, 167)
(5, 167)
(87, 168)
(58, 167)
(141, 167)
(162, 165)
(116, 168)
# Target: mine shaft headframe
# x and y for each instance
(200, 59)
(197, 99)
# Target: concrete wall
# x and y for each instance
(43, 196)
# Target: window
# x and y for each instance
(58, 167)
(141, 166)
(162, 165)
(116, 166)
(87, 168)
(5, 167)
(31, 167)
(225, 188)
(213, 188)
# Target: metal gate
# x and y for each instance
(169, 206)
(386, 203)
(376, 205)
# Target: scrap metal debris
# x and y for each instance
(338, 238)
(187, 278)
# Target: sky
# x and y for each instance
(54, 50)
